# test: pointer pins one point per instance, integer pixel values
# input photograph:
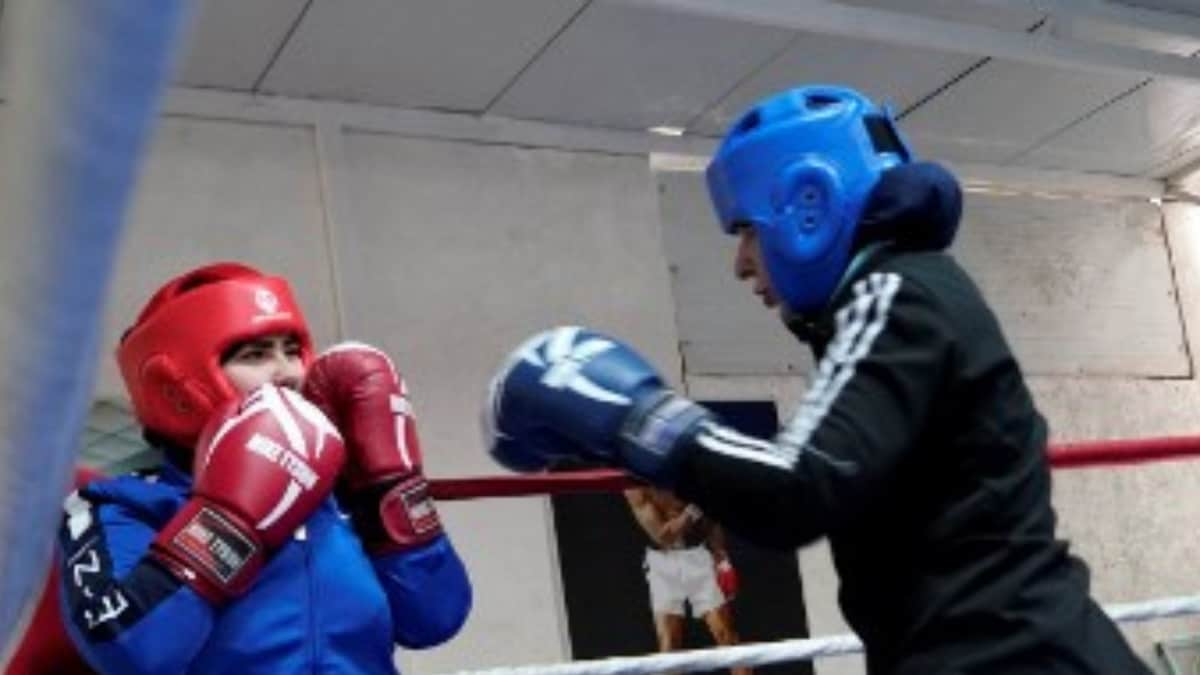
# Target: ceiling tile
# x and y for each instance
(1017, 17)
(896, 75)
(1005, 108)
(1123, 35)
(1136, 133)
(1153, 125)
(634, 67)
(899, 75)
(449, 54)
(232, 41)
(1189, 7)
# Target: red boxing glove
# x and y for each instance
(383, 487)
(261, 466)
(727, 579)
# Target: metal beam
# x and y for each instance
(482, 129)
(831, 18)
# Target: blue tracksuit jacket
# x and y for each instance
(320, 605)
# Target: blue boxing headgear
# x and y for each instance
(798, 168)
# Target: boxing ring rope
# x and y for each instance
(784, 651)
(1078, 455)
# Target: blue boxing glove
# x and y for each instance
(572, 393)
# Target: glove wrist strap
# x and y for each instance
(210, 550)
(394, 515)
(655, 435)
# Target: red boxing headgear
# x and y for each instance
(170, 358)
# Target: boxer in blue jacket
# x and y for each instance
(282, 534)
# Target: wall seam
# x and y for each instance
(330, 160)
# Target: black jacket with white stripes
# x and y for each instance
(919, 453)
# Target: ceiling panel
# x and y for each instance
(1018, 16)
(232, 41)
(899, 75)
(449, 54)
(1132, 136)
(1004, 108)
(1136, 133)
(636, 67)
(887, 73)
(1093, 30)
(1180, 6)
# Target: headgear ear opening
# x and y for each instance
(884, 137)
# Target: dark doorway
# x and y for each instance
(601, 550)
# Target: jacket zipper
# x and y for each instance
(310, 606)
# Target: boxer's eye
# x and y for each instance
(248, 352)
(249, 355)
(292, 349)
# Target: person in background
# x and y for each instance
(687, 565)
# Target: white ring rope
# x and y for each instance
(794, 650)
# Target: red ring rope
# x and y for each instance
(1062, 456)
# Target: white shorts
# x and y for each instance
(680, 575)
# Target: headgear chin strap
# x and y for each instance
(798, 167)
(170, 358)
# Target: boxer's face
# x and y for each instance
(748, 264)
(270, 358)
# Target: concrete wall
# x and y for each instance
(448, 252)
(447, 255)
